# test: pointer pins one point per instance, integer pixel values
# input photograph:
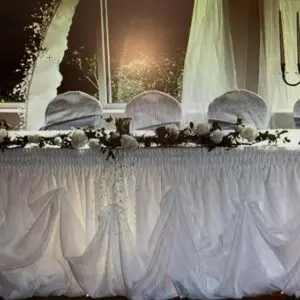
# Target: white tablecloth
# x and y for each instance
(157, 223)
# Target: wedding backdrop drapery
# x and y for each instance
(235, 44)
(279, 96)
(154, 224)
(209, 65)
(226, 58)
(232, 44)
(46, 76)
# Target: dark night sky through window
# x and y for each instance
(14, 15)
(128, 19)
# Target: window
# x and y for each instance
(142, 47)
(135, 45)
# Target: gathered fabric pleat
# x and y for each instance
(152, 224)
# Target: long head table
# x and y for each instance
(153, 224)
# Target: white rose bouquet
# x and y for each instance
(78, 138)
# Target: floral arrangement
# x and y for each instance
(202, 135)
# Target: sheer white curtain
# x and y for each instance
(46, 76)
(279, 96)
(235, 44)
(209, 66)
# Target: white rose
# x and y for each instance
(57, 141)
(217, 136)
(34, 139)
(202, 129)
(239, 128)
(249, 133)
(128, 141)
(172, 129)
(78, 138)
(93, 143)
(187, 132)
(13, 139)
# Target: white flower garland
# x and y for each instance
(203, 134)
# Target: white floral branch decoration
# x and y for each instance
(202, 135)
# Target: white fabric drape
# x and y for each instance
(209, 66)
(46, 76)
(279, 96)
(154, 224)
(253, 58)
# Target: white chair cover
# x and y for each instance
(239, 103)
(152, 109)
(296, 114)
(73, 109)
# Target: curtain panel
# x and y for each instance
(46, 76)
(235, 44)
(279, 96)
(209, 65)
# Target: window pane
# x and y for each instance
(147, 41)
(147, 44)
(82, 44)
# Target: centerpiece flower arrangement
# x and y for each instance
(201, 135)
